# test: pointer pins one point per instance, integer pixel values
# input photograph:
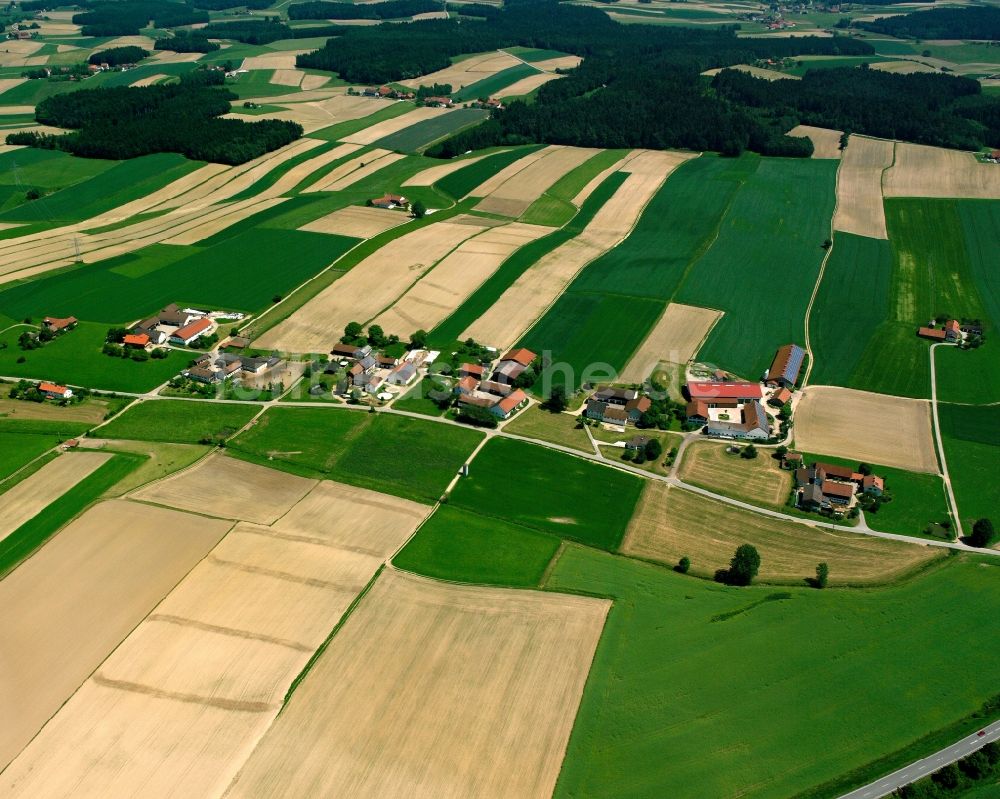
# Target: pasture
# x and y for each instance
(17, 449)
(767, 254)
(555, 493)
(185, 422)
(972, 446)
(492, 680)
(759, 481)
(557, 428)
(460, 545)
(423, 134)
(360, 449)
(671, 523)
(729, 672)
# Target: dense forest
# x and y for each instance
(222, 5)
(387, 9)
(122, 122)
(186, 42)
(980, 22)
(116, 56)
(249, 31)
(127, 17)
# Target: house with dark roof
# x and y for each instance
(786, 366)
(403, 374)
(176, 317)
(617, 406)
(351, 350)
(637, 442)
(615, 396)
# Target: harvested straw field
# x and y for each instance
(149, 80)
(435, 690)
(859, 187)
(357, 221)
(10, 83)
(562, 62)
(902, 67)
(433, 174)
(527, 85)
(170, 57)
(758, 480)
(467, 71)
(387, 127)
(675, 339)
(826, 142)
(671, 523)
(214, 660)
(287, 77)
(219, 220)
(922, 171)
(535, 290)
(513, 195)
(442, 290)
(349, 173)
(319, 113)
(123, 558)
(858, 425)
(229, 488)
(757, 72)
(30, 496)
(276, 61)
(369, 288)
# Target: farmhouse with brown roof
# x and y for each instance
(56, 325)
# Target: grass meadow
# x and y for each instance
(698, 690)
(397, 455)
(17, 449)
(179, 421)
(491, 86)
(462, 181)
(553, 492)
(422, 134)
(972, 446)
(458, 544)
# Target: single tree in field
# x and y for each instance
(822, 575)
(983, 534)
(744, 565)
(557, 400)
(683, 565)
(419, 209)
(653, 449)
(353, 330)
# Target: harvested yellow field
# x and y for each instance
(675, 339)
(859, 187)
(512, 196)
(29, 497)
(442, 290)
(219, 220)
(282, 60)
(432, 175)
(230, 489)
(527, 85)
(10, 83)
(22, 47)
(434, 690)
(179, 187)
(319, 113)
(120, 559)
(357, 221)
(368, 288)
(858, 425)
(149, 80)
(598, 179)
(562, 62)
(351, 172)
(17, 109)
(380, 130)
(759, 480)
(902, 67)
(922, 171)
(9, 59)
(757, 72)
(826, 142)
(535, 290)
(287, 77)
(467, 71)
(169, 57)
(145, 42)
(182, 702)
(310, 82)
(671, 523)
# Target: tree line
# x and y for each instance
(124, 122)
(250, 31)
(387, 9)
(127, 17)
(116, 56)
(974, 22)
(186, 42)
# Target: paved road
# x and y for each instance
(921, 768)
(956, 519)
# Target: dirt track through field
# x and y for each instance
(671, 523)
(72, 602)
(181, 703)
(29, 497)
(434, 690)
(358, 221)
(922, 171)
(368, 288)
(859, 187)
(442, 290)
(861, 426)
(675, 339)
(535, 290)
(826, 142)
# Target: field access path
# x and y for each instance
(942, 460)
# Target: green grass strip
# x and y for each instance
(460, 183)
(7, 483)
(349, 126)
(272, 177)
(32, 534)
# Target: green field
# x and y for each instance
(76, 358)
(456, 544)
(972, 446)
(349, 126)
(423, 134)
(181, 421)
(555, 206)
(533, 54)
(47, 170)
(698, 690)
(242, 272)
(553, 492)
(493, 85)
(393, 454)
(461, 182)
(762, 268)
(853, 300)
(17, 449)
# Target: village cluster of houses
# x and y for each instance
(494, 390)
(372, 371)
(827, 487)
(212, 370)
(617, 406)
(389, 93)
(951, 331)
(175, 325)
(22, 32)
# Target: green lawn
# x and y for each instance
(244, 271)
(853, 300)
(493, 85)
(417, 399)
(549, 491)
(698, 690)
(762, 268)
(422, 134)
(17, 449)
(181, 421)
(76, 358)
(393, 454)
(456, 544)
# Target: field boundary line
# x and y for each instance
(939, 442)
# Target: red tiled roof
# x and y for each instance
(833, 489)
(521, 355)
(140, 340)
(697, 408)
(52, 388)
(58, 324)
(733, 390)
(930, 332)
(515, 398)
(471, 369)
(469, 383)
(873, 480)
(952, 325)
(840, 472)
(195, 328)
(641, 404)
